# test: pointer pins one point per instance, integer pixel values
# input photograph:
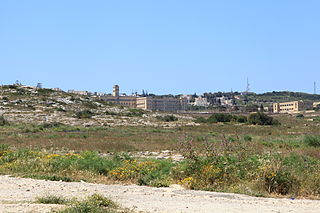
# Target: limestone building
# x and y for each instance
(292, 107)
(162, 104)
(201, 102)
(316, 104)
(146, 103)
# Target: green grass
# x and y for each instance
(230, 157)
(213, 165)
(312, 140)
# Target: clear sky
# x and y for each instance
(163, 46)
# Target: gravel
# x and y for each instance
(18, 195)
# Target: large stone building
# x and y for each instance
(127, 101)
(146, 103)
(162, 104)
(292, 107)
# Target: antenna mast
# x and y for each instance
(248, 86)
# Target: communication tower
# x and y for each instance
(248, 86)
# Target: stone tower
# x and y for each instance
(115, 92)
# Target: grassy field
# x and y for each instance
(280, 160)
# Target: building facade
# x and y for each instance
(161, 104)
(201, 102)
(292, 107)
(146, 103)
(316, 104)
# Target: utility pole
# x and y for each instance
(315, 88)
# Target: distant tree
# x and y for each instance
(261, 108)
(262, 119)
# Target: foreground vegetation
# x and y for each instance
(228, 156)
(228, 166)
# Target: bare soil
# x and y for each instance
(19, 194)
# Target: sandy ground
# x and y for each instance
(17, 195)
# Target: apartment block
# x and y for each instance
(292, 107)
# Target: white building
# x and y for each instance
(201, 101)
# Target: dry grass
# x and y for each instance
(106, 139)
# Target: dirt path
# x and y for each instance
(17, 195)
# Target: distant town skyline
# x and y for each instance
(164, 47)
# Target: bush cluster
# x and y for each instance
(167, 118)
(222, 117)
(3, 121)
(261, 119)
(226, 170)
(255, 118)
(84, 114)
(95, 203)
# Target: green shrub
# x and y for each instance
(4, 147)
(220, 117)
(51, 199)
(84, 114)
(93, 162)
(167, 118)
(94, 204)
(280, 182)
(111, 113)
(101, 201)
(247, 138)
(241, 119)
(44, 91)
(135, 113)
(261, 119)
(300, 116)
(312, 140)
(51, 125)
(200, 120)
(3, 121)
(61, 109)
(54, 178)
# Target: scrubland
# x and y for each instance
(259, 160)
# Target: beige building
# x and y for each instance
(146, 103)
(127, 101)
(78, 92)
(162, 104)
(201, 101)
(292, 107)
(315, 104)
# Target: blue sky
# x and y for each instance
(167, 46)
